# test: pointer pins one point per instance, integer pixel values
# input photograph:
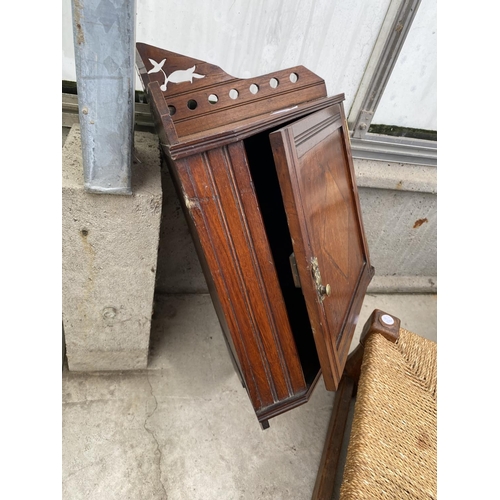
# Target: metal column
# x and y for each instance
(104, 39)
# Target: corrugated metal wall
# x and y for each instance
(333, 38)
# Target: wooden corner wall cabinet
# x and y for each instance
(263, 167)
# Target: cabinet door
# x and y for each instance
(316, 175)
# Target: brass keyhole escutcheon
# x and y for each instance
(322, 290)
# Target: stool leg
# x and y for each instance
(325, 480)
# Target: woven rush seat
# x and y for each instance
(392, 443)
(392, 447)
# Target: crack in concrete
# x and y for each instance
(149, 431)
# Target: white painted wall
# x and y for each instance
(410, 97)
(333, 38)
(68, 50)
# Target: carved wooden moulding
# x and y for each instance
(264, 169)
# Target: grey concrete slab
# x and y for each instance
(401, 231)
(184, 428)
(376, 174)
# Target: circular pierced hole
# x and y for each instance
(192, 104)
(294, 77)
(171, 110)
(212, 99)
(274, 82)
(254, 88)
(233, 94)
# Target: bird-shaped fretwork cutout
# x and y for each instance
(179, 76)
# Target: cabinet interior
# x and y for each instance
(268, 192)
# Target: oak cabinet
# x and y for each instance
(263, 167)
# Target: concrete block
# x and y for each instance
(399, 208)
(109, 260)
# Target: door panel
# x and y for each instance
(316, 174)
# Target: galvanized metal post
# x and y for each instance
(104, 39)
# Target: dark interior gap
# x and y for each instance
(267, 188)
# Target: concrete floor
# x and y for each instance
(184, 428)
